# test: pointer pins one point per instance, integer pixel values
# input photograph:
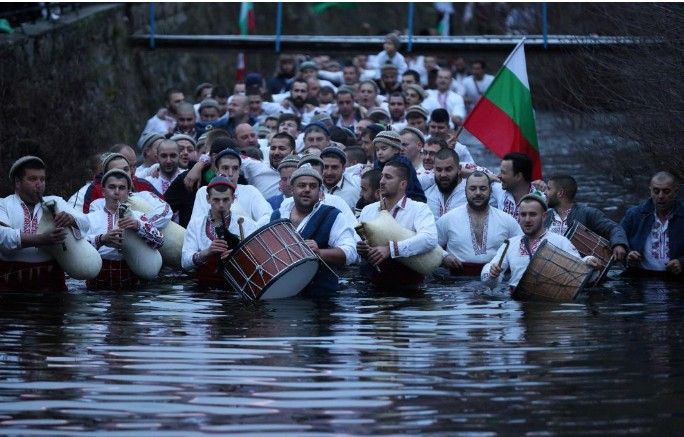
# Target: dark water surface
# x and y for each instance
(453, 358)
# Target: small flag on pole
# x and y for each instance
(246, 24)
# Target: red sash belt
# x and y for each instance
(207, 275)
(394, 274)
(23, 276)
(114, 275)
(469, 269)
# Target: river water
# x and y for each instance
(455, 357)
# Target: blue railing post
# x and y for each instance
(410, 27)
(279, 26)
(151, 25)
(545, 24)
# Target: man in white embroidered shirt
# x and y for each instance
(336, 180)
(473, 232)
(532, 213)
(23, 266)
(412, 215)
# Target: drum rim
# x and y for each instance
(253, 235)
(282, 273)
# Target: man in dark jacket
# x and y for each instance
(564, 213)
(655, 228)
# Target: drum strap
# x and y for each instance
(313, 227)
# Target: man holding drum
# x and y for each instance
(211, 236)
(106, 233)
(564, 213)
(23, 266)
(326, 231)
(517, 251)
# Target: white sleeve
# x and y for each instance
(191, 244)
(424, 240)
(342, 236)
(10, 238)
(333, 76)
(484, 275)
(161, 212)
(82, 223)
(259, 206)
(457, 106)
(201, 206)
(512, 226)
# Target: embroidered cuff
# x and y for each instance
(197, 259)
(394, 249)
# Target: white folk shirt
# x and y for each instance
(415, 216)
(19, 219)
(505, 200)
(657, 247)
(159, 216)
(559, 225)
(248, 202)
(103, 221)
(348, 188)
(200, 233)
(517, 258)
(455, 233)
(342, 234)
(440, 203)
(327, 199)
(448, 100)
(261, 175)
(161, 182)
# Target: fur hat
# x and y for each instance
(290, 161)
(220, 180)
(306, 170)
(20, 163)
(111, 157)
(117, 172)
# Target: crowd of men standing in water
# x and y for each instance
(327, 146)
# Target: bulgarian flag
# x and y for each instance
(246, 25)
(503, 118)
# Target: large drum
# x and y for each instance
(272, 263)
(589, 243)
(552, 275)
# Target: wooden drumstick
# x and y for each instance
(503, 255)
(240, 221)
(364, 237)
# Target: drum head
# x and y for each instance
(291, 281)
